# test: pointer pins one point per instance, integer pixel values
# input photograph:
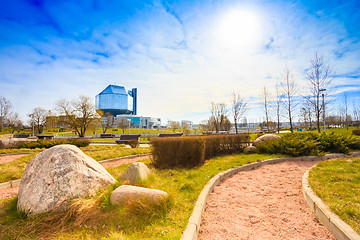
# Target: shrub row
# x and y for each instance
(310, 144)
(49, 143)
(193, 151)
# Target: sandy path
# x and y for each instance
(13, 191)
(265, 203)
(10, 158)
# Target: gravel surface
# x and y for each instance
(12, 192)
(265, 203)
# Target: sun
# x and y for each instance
(238, 29)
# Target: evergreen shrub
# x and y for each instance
(334, 143)
(51, 143)
(356, 132)
(301, 144)
(291, 144)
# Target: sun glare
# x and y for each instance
(238, 29)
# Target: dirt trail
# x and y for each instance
(265, 203)
(12, 192)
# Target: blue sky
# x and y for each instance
(181, 55)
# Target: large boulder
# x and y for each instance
(264, 138)
(126, 194)
(57, 175)
(136, 172)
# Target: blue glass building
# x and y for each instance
(117, 101)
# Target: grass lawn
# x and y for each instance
(337, 183)
(21, 150)
(94, 218)
(341, 131)
(13, 170)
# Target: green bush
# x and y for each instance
(356, 132)
(134, 143)
(192, 151)
(354, 143)
(51, 143)
(169, 152)
(334, 143)
(301, 144)
(291, 144)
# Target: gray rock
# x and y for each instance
(136, 172)
(126, 194)
(264, 138)
(57, 175)
(250, 149)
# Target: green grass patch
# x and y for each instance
(102, 152)
(14, 170)
(95, 218)
(20, 150)
(342, 131)
(337, 183)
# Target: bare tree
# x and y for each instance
(356, 113)
(185, 128)
(265, 98)
(346, 117)
(14, 123)
(174, 125)
(5, 110)
(226, 126)
(122, 123)
(319, 79)
(289, 90)
(38, 119)
(239, 107)
(107, 120)
(218, 114)
(278, 103)
(78, 113)
(203, 125)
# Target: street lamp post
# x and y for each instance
(323, 103)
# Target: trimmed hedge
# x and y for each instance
(193, 151)
(51, 143)
(218, 145)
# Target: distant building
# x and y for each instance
(117, 101)
(190, 124)
(121, 104)
(140, 121)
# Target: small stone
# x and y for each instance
(250, 149)
(264, 138)
(126, 194)
(136, 172)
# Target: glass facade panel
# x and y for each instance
(113, 101)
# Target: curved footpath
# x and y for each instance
(266, 203)
(10, 189)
